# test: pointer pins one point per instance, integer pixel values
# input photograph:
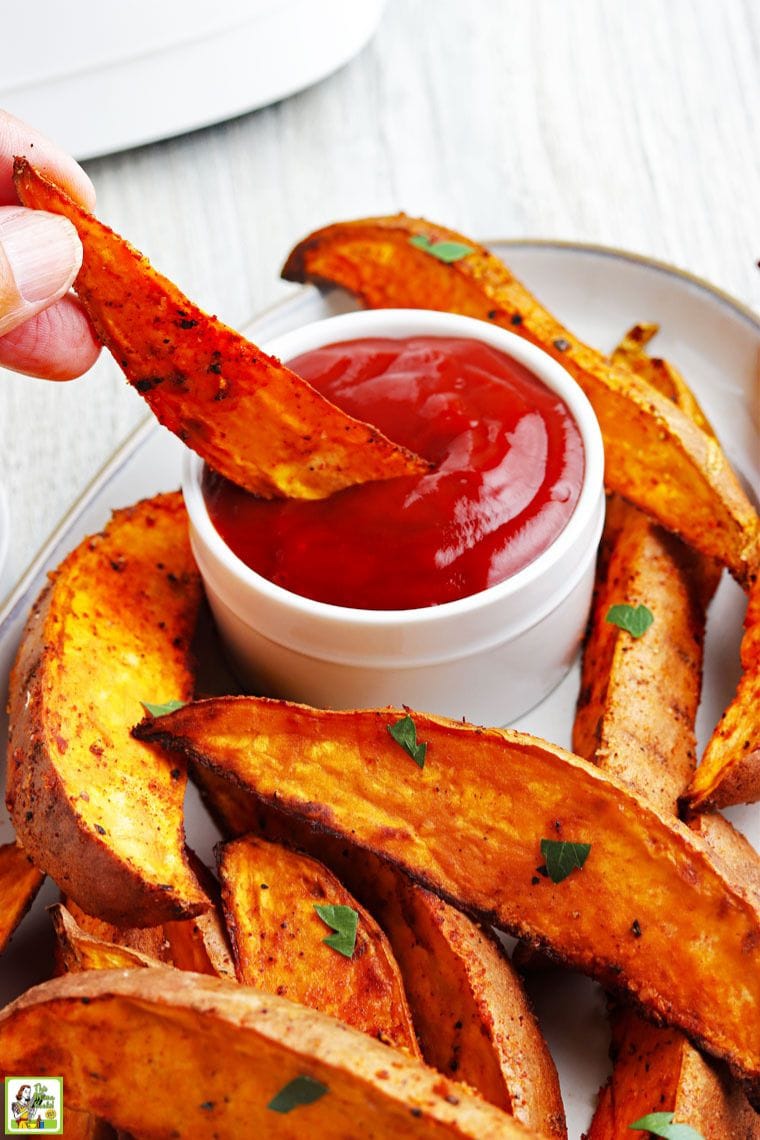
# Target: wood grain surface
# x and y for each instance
(628, 124)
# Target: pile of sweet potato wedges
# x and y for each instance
(338, 968)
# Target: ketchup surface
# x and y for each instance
(508, 466)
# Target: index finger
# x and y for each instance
(16, 137)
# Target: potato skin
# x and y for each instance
(649, 912)
(654, 455)
(218, 1053)
(96, 810)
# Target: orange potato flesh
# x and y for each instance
(655, 456)
(469, 825)
(470, 1011)
(730, 769)
(656, 1071)
(196, 944)
(97, 810)
(209, 1056)
(268, 895)
(19, 882)
(244, 412)
(78, 950)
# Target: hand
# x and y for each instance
(43, 330)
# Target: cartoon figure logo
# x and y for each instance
(33, 1104)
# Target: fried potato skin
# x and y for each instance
(19, 882)
(469, 826)
(95, 809)
(244, 412)
(112, 1032)
(268, 895)
(730, 769)
(654, 455)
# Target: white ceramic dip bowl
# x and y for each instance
(489, 657)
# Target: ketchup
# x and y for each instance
(508, 466)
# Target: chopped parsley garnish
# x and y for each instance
(297, 1093)
(404, 732)
(162, 710)
(635, 620)
(344, 920)
(563, 857)
(447, 251)
(661, 1124)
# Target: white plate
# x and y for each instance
(599, 293)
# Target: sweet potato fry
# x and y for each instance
(730, 769)
(244, 412)
(656, 1071)
(655, 456)
(661, 374)
(19, 882)
(639, 697)
(648, 912)
(79, 950)
(224, 1053)
(470, 1011)
(269, 894)
(635, 718)
(196, 944)
(101, 813)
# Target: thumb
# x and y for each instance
(40, 256)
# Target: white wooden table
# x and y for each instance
(632, 125)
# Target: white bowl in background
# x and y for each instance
(488, 657)
(102, 77)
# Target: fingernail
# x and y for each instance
(43, 251)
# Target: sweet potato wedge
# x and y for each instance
(244, 412)
(648, 912)
(469, 1008)
(19, 882)
(638, 699)
(196, 944)
(730, 769)
(269, 894)
(78, 950)
(222, 1053)
(660, 373)
(97, 810)
(655, 456)
(632, 724)
(658, 1071)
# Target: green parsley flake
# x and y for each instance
(635, 620)
(344, 920)
(446, 251)
(297, 1093)
(661, 1124)
(563, 857)
(162, 710)
(404, 732)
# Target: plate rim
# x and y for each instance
(133, 439)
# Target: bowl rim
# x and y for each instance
(397, 323)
